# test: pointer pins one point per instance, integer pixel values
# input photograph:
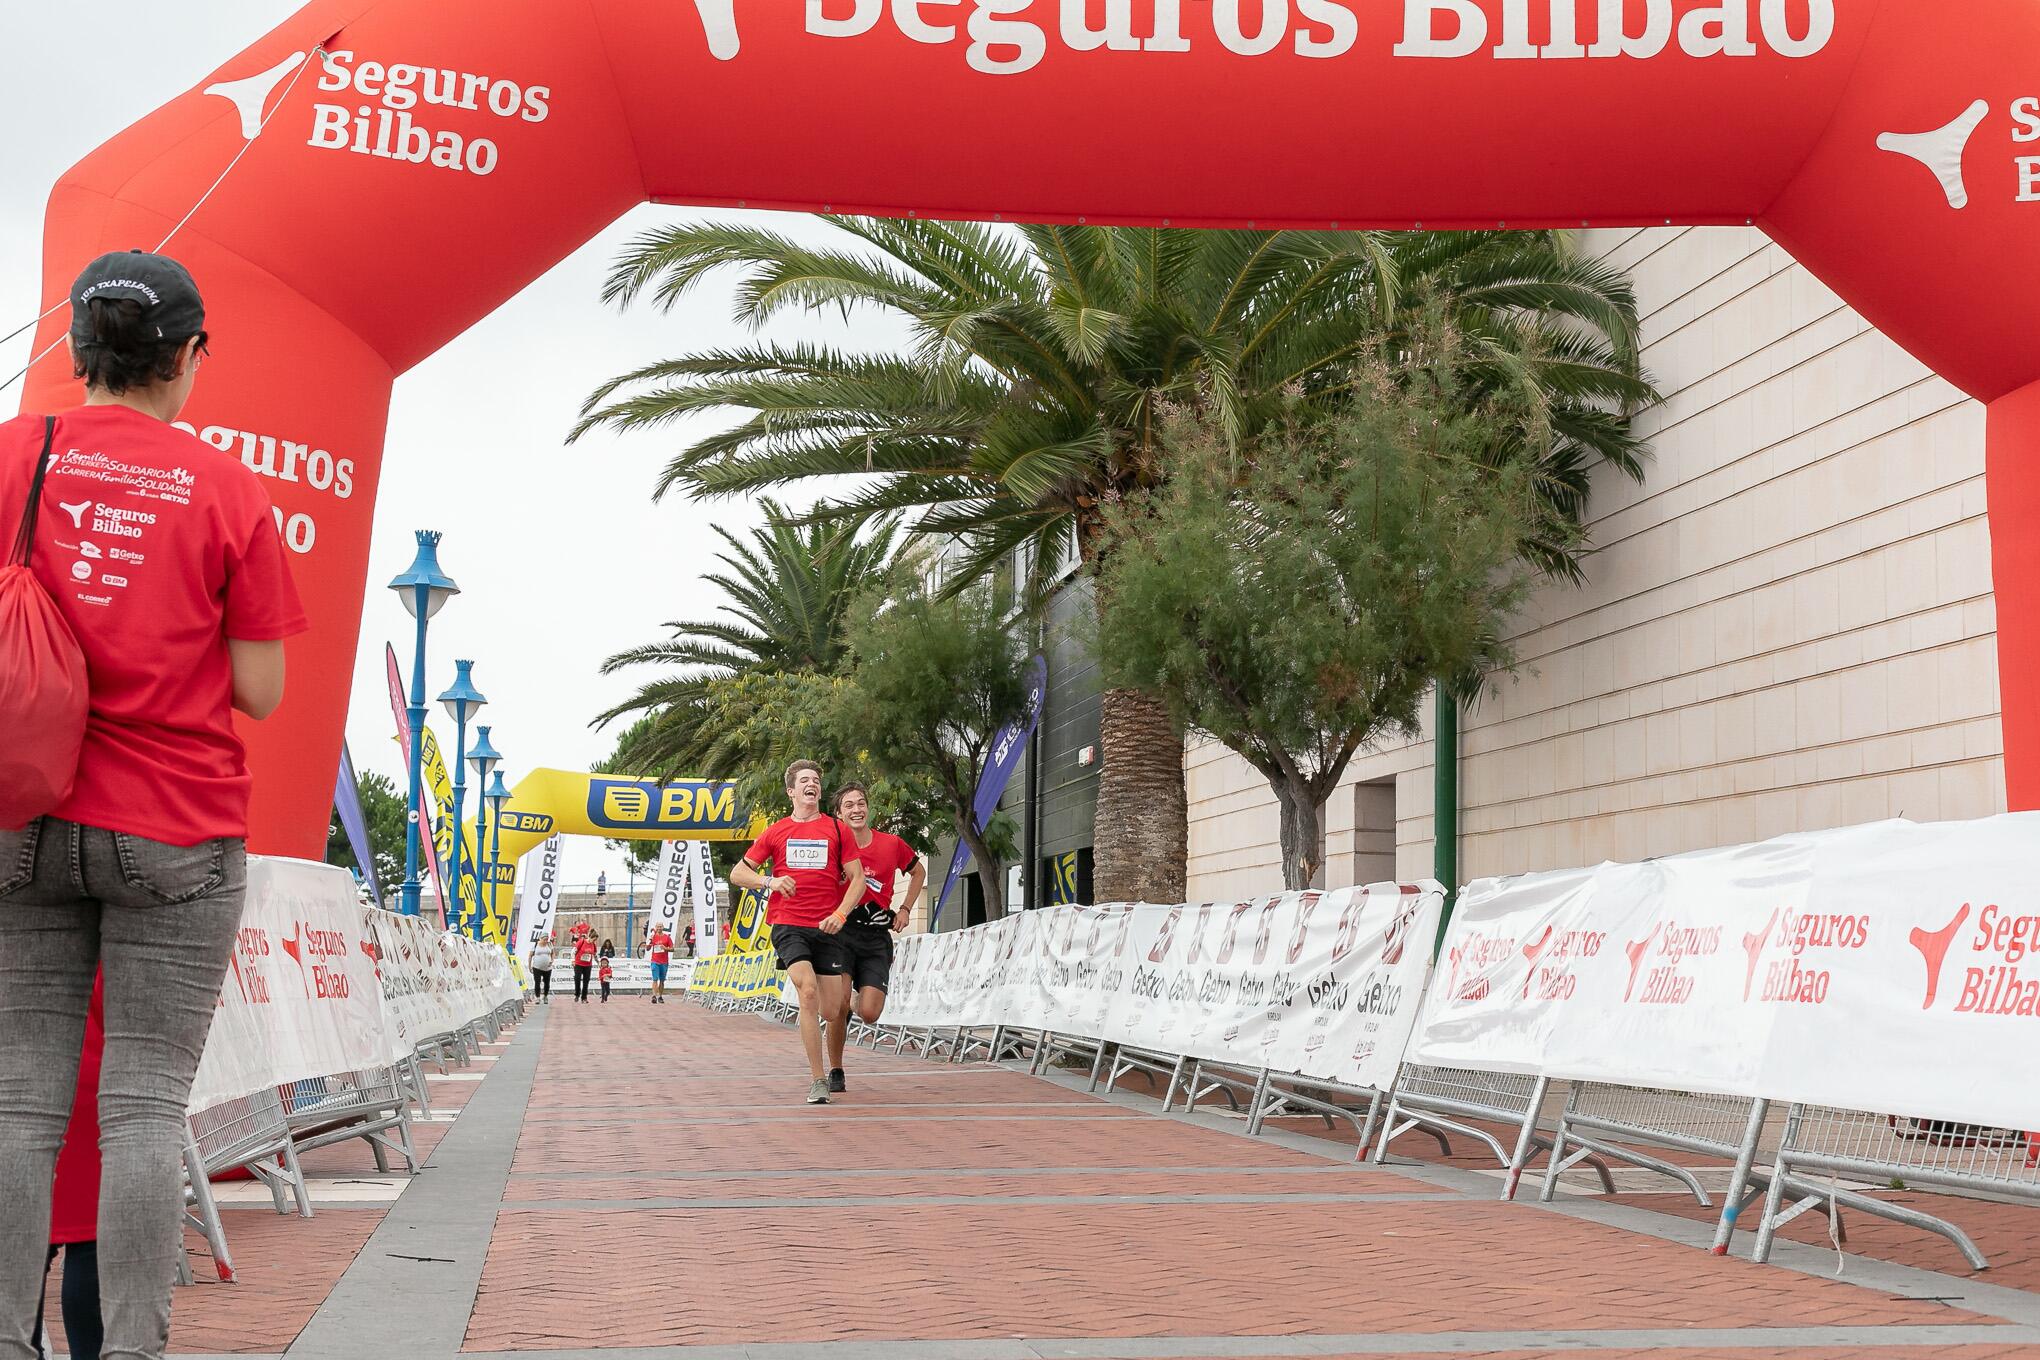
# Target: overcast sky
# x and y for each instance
(560, 554)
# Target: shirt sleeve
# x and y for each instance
(763, 848)
(262, 600)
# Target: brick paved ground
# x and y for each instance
(640, 1180)
(669, 1190)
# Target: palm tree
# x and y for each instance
(1042, 361)
(790, 592)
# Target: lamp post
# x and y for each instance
(462, 701)
(423, 588)
(484, 757)
(497, 796)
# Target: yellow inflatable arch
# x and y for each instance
(549, 803)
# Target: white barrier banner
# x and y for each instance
(707, 939)
(301, 998)
(1325, 984)
(1889, 968)
(434, 981)
(541, 897)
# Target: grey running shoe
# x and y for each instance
(836, 1082)
(818, 1094)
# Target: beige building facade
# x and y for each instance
(1787, 625)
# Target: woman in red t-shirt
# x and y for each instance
(584, 965)
(161, 553)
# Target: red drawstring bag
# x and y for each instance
(44, 690)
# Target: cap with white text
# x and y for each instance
(170, 303)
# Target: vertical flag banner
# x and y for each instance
(347, 804)
(1004, 759)
(541, 897)
(669, 887)
(402, 709)
(707, 942)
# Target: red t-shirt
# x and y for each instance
(885, 859)
(814, 854)
(157, 548)
(661, 945)
(584, 950)
(606, 972)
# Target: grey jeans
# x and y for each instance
(160, 919)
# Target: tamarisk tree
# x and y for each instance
(1297, 598)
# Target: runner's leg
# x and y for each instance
(839, 1018)
(807, 986)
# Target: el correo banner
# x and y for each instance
(670, 887)
(707, 939)
(1888, 967)
(541, 897)
(1324, 984)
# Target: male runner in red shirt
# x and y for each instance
(868, 933)
(660, 949)
(816, 879)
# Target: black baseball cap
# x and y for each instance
(170, 302)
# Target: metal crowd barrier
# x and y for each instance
(1892, 1149)
(254, 1133)
(1729, 1127)
(367, 1104)
(1441, 1099)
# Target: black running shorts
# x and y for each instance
(812, 945)
(870, 949)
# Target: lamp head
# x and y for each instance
(483, 755)
(499, 793)
(424, 577)
(462, 699)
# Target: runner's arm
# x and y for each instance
(853, 893)
(747, 875)
(916, 881)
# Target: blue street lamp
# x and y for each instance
(462, 701)
(484, 757)
(423, 589)
(497, 795)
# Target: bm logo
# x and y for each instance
(640, 805)
(537, 823)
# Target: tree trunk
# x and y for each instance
(1141, 834)
(1303, 835)
(990, 872)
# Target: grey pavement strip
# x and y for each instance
(847, 1173)
(386, 1305)
(1077, 1116)
(1775, 1341)
(1977, 1296)
(637, 1107)
(953, 1201)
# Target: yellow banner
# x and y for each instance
(748, 932)
(462, 874)
(737, 975)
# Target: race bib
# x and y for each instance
(807, 854)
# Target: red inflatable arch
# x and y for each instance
(423, 160)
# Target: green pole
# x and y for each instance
(1445, 803)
